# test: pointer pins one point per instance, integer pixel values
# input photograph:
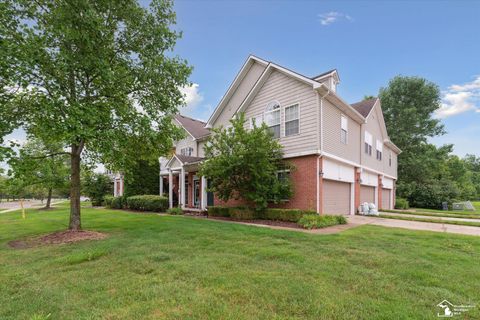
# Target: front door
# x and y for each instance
(209, 194)
(196, 193)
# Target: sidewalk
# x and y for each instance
(429, 217)
(416, 225)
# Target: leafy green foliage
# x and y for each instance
(142, 178)
(175, 211)
(243, 213)
(118, 202)
(96, 76)
(401, 203)
(148, 203)
(243, 164)
(96, 186)
(315, 221)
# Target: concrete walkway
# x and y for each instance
(415, 225)
(429, 217)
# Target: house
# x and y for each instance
(342, 153)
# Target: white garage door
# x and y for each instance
(386, 199)
(367, 194)
(336, 197)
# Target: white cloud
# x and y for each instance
(333, 16)
(193, 98)
(460, 98)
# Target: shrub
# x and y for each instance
(118, 203)
(107, 201)
(401, 203)
(290, 215)
(240, 213)
(175, 211)
(148, 203)
(314, 221)
(218, 212)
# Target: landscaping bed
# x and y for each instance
(59, 237)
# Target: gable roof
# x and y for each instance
(329, 73)
(183, 160)
(365, 106)
(195, 128)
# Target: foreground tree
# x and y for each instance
(41, 167)
(77, 72)
(245, 164)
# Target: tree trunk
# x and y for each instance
(49, 198)
(75, 223)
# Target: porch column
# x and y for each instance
(182, 188)
(170, 188)
(203, 191)
(161, 185)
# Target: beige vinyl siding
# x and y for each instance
(175, 163)
(390, 170)
(201, 152)
(336, 197)
(373, 127)
(332, 132)
(289, 91)
(185, 143)
(239, 95)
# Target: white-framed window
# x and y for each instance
(283, 175)
(187, 151)
(256, 121)
(272, 118)
(343, 129)
(292, 120)
(368, 143)
(379, 150)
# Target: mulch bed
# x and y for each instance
(264, 222)
(59, 237)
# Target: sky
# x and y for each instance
(368, 42)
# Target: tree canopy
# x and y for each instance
(245, 163)
(99, 77)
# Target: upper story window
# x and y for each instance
(292, 120)
(390, 159)
(344, 129)
(368, 143)
(272, 118)
(188, 151)
(379, 150)
(256, 121)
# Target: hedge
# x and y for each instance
(147, 203)
(401, 203)
(314, 221)
(242, 213)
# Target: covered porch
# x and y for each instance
(179, 180)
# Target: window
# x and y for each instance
(272, 118)
(379, 150)
(368, 143)
(344, 130)
(256, 121)
(390, 159)
(186, 151)
(292, 122)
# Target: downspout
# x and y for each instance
(320, 151)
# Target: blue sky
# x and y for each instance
(369, 42)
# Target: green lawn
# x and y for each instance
(476, 204)
(174, 267)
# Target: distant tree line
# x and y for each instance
(427, 174)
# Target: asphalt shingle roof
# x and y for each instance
(195, 127)
(364, 107)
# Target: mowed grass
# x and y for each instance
(174, 267)
(476, 205)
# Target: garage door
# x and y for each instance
(336, 197)
(386, 194)
(367, 194)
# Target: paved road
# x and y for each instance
(15, 205)
(415, 225)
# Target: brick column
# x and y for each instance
(320, 184)
(356, 201)
(380, 188)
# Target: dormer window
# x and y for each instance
(272, 118)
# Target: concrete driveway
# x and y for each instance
(415, 225)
